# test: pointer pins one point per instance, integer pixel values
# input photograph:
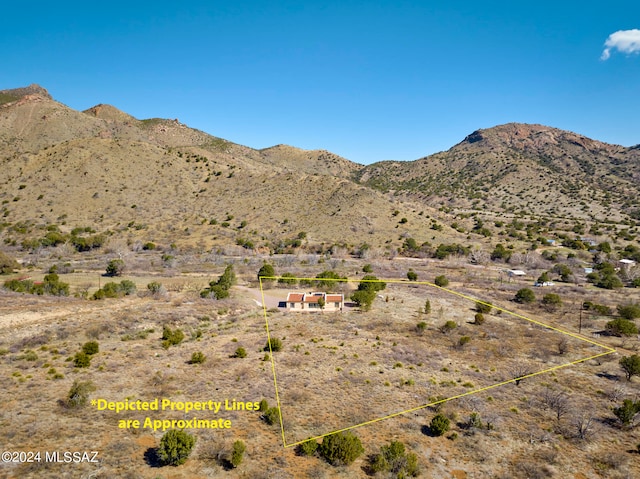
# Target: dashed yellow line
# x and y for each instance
(608, 351)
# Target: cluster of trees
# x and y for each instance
(51, 285)
(54, 238)
(116, 290)
(367, 290)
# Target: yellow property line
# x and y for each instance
(608, 351)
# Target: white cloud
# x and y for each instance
(625, 41)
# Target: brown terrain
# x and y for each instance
(176, 205)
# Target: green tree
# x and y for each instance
(228, 278)
(370, 282)
(544, 277)
(627, 412)
(341, 448)
(622, 327)
(500, 253)
(631, 366)
(525, 295)
(175, 447)
(412, 275)
(237, 453)
(441, 281)
(220, 289)
(363, 298)
(266, 271)
(629, 311)
(439, 425)
(115, 267)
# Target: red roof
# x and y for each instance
(295, 297)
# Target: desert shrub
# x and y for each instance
(90, 348)
(175, 447)
(524, 295)
(197, 358)
(7, 264)
(171, 337)
(240, 353)
(367, 268)
(483, 307)
(622, 327)
(448, 327)
(273, 344)
(412, 275)
(154, 287)
(629, 311)
(287, 278)
(19, 286)
(127, 287)
(115, 267)
(441, 281)
(421, 327)
(307, 448)
(272, 416)
(427, 307)
(479, 318)
(78, 395)
(439, 425)
(341, 448)
(149, 246)
(82, 360)
(463, 341)
(394, 459)
(551, 301)
(264, 405)
(237, 453)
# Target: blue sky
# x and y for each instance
(370, 81)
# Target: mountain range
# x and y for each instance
(161, 180)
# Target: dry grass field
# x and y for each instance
(360, 366)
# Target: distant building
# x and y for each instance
(515, 272)
(312, 301)
(627, 262)
(551, 242)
